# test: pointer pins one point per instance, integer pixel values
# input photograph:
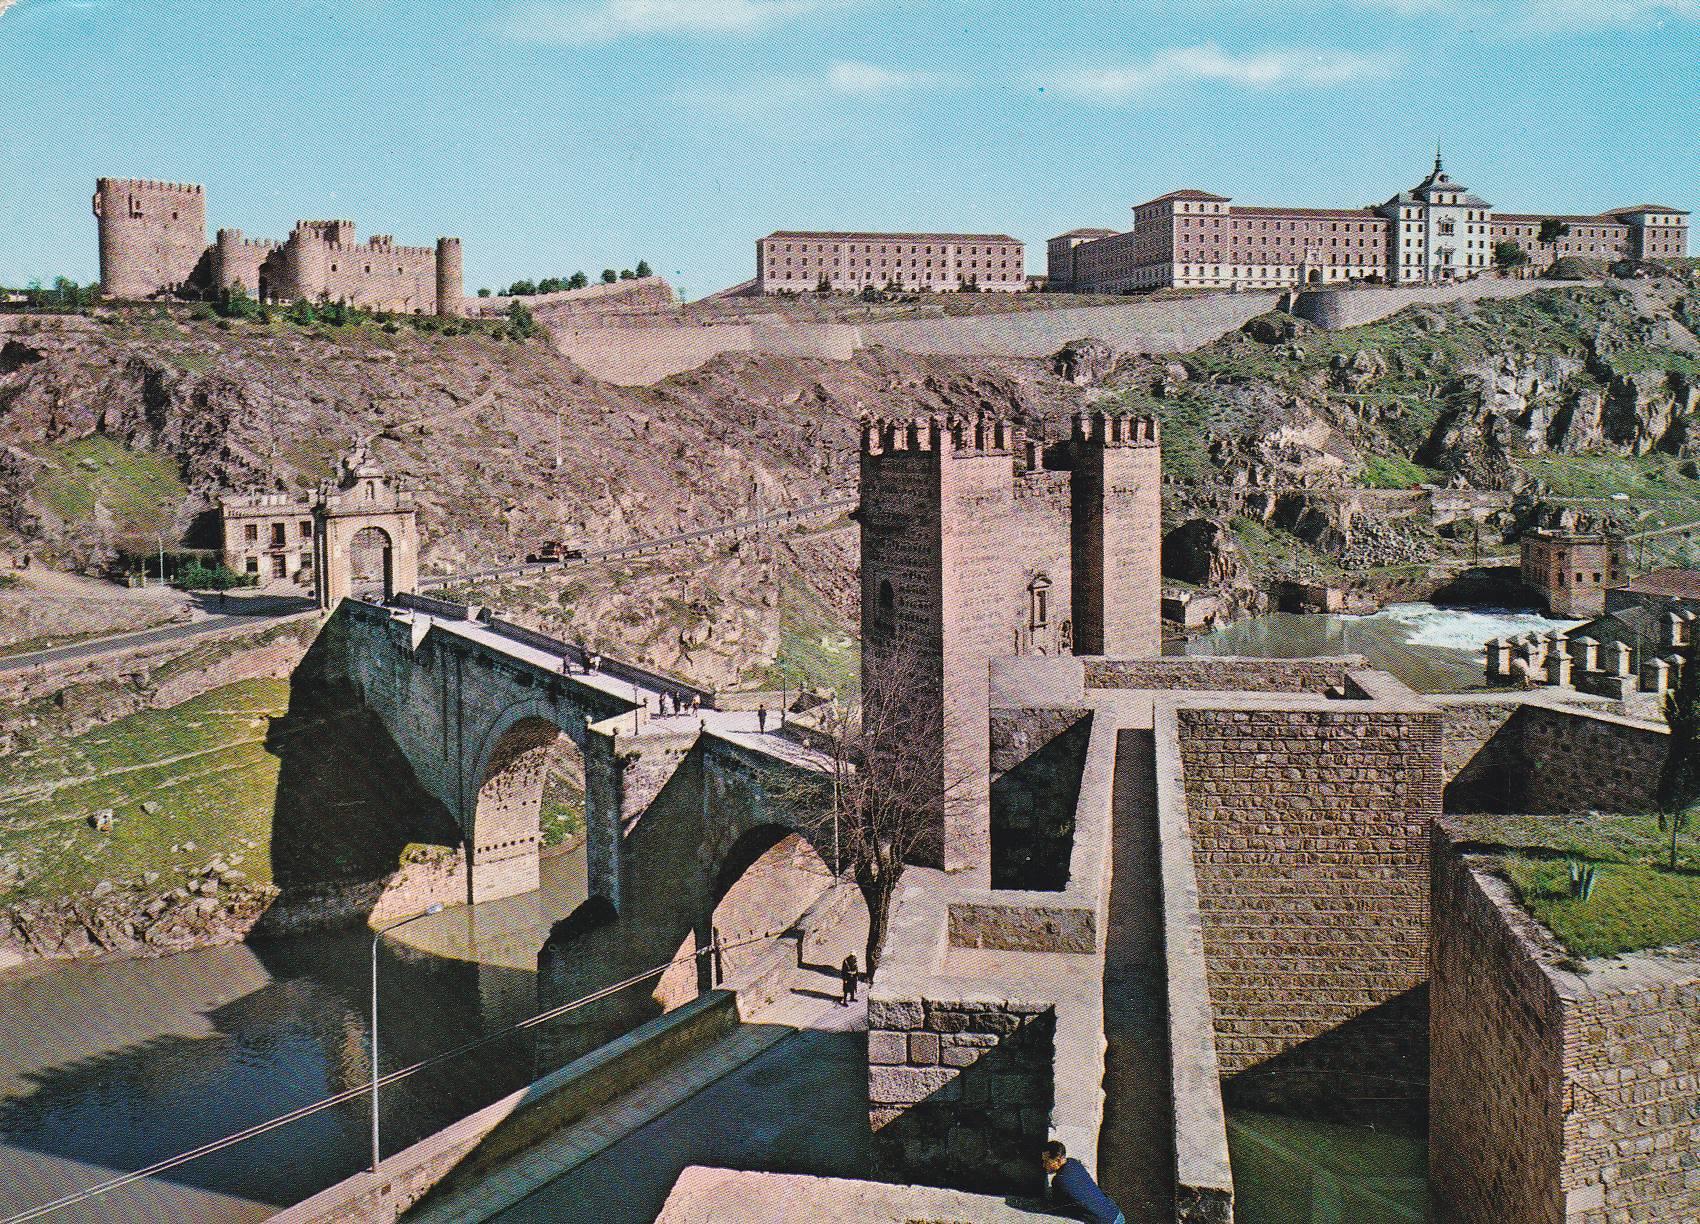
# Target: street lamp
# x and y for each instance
(436, 907)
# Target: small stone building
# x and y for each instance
(1571, 570)
(268, 536)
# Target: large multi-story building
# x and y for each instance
(153, 243)
(1438, 231)
(799, 260)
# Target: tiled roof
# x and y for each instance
(1672, 583)
(1087, 233)
(873, 236)
(1186, 193)
(1642, 208)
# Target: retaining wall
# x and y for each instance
(499, 1132)
(1337, 308)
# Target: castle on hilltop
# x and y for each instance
(153, 243)
(1435, 233)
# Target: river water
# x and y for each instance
(107, 1067)
(1432, 649)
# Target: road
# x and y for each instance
(291, 607)
(150, 637)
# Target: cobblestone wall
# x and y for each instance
(1579, 761)
(1221, 675)
(961, 1092)
(1310, 829)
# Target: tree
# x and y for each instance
(522, 288)
(234, 303)
(1679, 780)
(627, 274)
(198, 577)
(578, 280)
(643, 268)
(551, 284)
(824, 285)
(1552, 229)
(871, 811)
(609, 276)
(483, 293)
(1508, 256)
(520, 321)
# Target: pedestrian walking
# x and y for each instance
(666, 703)
(696, 703)
(761, 719)
(1072, 1187)
(847, 973)
(595, 662)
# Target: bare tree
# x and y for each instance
(876, 806)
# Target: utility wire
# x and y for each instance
(365, 1090)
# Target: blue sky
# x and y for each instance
(554, 135)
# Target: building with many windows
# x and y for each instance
(799, 260)
(1436, 232)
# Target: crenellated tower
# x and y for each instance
(451, 285)
(153, 236)
(974, 538)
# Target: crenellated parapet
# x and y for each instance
(1115, 429)
(149, 185)
(951, 434)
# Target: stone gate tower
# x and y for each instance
(366, 531)
(153, 236)
(979, 543)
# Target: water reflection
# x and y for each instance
(108, 1067)
(1432, 649)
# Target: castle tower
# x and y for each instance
(969, 556)
(1117, 535)
(152, 236)
(451, 287)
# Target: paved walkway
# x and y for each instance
(148, 637)
(785, 1091)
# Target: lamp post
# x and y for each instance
(436, 907)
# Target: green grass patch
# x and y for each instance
(1392, 472)
(1633, 905)
(1637, 359)
(1637, 901)
(204, 763)
(140, 489)
(1278, 552)
(562, 813)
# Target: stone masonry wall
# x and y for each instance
(1495, 1105)
(1310, 828)
(1220, 674)
(1559, 1097)
(1632, 1127)
(961, 1091)
(1579, 761)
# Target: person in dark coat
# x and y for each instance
(1073, 1189)
(848, 972)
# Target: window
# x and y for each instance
(885, 614)
(306, 529)
(1040, 592)
(279, 566)
(277, 535)
(252, 565)
(251, 533)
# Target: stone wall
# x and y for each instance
(1509, 754)
(961, 1090)
(1037, 758)
(1310, 829)
(1561, 1094)
(1494, 1060)
(1337, 308)
(1222, 674)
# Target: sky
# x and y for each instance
(557, 135)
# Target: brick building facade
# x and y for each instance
(1571, 570)
(153, 243)
(798, 260)
(1438, 231)
(979, 543)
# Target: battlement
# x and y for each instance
(1115, 429)
(248, 503)
(953, 435)
(233, 237)
(124, 184)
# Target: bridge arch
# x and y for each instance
(502, 793)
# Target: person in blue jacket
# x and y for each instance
(1072, 1187)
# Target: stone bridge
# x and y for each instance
(474, 703)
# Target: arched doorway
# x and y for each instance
(371, 560)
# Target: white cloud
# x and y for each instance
(600, 21)
(6, 4)
(855, 77)
(1316, 68)
(1546, 16)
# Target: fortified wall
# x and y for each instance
(153, 243)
